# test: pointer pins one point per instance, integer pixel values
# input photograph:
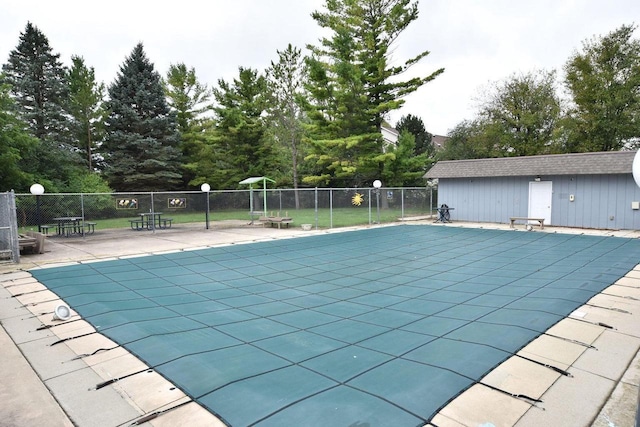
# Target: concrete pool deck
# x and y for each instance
(35, 384)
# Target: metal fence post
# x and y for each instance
(82, 212)
(430, 201)
(153, 212)
(330, 208)
(369, 198)
(316, 206)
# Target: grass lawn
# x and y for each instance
(326, 218)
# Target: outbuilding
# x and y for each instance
(586, 190)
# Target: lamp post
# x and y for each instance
(377, 184)
(205, 188)
(37, 190)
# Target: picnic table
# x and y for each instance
(68, 225)
(150, 221)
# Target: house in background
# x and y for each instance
(587, 190)
(439, 141)
(390, 135)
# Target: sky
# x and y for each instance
(477, 42)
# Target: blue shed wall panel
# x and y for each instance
(600, 201)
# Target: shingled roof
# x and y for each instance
(601, 163)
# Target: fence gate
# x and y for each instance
(9, 249)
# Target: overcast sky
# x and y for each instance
(476, 41)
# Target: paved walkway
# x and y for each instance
(36, 384)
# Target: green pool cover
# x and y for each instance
(375, 327)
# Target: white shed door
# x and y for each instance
(540, 195)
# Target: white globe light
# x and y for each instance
(205, 187)
(37, 189)
(377, 183)
(636, 168)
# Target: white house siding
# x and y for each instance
(597, 199)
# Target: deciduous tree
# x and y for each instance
(604, 82)
(469, 140)
(521, 114)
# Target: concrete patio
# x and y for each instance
(597, 346)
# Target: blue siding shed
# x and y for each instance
(589, 190)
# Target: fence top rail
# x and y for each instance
(269, 190)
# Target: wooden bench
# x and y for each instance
(280, 221)
(33, 241)
(276, 220)
(264, 220)
(27, 242)
(256, 214)
(513, 219)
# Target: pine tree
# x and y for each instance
(415, 126)
(186, 95)
(190, 100)
(353, 87)
(407, 168)
(285, 79)
(86, 97)
(240, 149)
(142, 145)
(15, 141)
(38, 84)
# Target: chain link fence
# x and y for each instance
(322, 208)
(9, 249)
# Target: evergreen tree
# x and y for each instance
(604, 81)
(142, 144)
(38, 84)
(190, 100)
(15, 142)
(239, 148)
(187, 96)
(415, 126)
(86, 97)
(405, 168)
(352, 87)
(285, 79)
